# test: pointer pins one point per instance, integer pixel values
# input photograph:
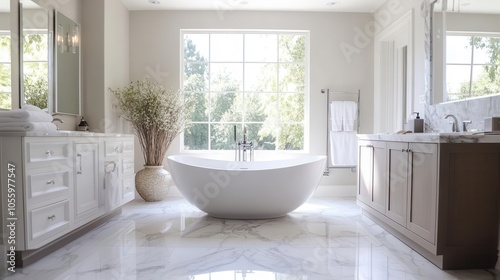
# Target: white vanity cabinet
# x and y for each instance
(442, 196)
(56, 189)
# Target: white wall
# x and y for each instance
(334, 64)
(105, 60)
(116, 58)
(93, 54)
(385, 16)
(4, 21)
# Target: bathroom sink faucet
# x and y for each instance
(464, 125)
(454, 126)
(57, 120)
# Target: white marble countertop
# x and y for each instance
(63, 133)
(435, 137)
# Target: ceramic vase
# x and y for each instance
(153, 183)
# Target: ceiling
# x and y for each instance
(361, 6)
(367, 6)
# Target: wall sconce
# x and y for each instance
(68, 40)
(75, 38)
(60, 38)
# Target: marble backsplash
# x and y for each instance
(474, 110)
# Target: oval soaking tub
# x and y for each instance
(247, 189)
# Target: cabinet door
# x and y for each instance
(422, 190)
(365, 171)
(379, 181)
(397, 190)
(86, 185)
(371, 177)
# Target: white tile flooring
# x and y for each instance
(326, 238)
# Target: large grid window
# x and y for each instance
(5, 71)
(252, 80)
(472, 65)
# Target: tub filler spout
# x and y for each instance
(243, 147)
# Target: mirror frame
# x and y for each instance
(56, 53)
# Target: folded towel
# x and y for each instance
(29, 107)
(28, 114)
(343, 148)
(349, 115)
(336, 114)
(28, 126)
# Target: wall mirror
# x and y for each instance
(67, 65)
(35, 55)
(465, 49)
(5, 57)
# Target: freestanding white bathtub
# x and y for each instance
(247, 190)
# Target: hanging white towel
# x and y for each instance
(349, 115)
(112, 185)
(336, 115)
(28, 126)
(343, 148)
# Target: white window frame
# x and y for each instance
(7, 33)
(306, 122)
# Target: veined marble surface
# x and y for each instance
(434, 137)
(326, 238)
(64, 133)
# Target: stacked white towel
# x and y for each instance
(336, 115)
(349, 116)
(343, 148)
(29, 118)
(342, 136)
(343, 115)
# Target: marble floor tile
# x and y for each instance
(326, 238)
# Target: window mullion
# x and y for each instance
(471, 66)
(209, 121)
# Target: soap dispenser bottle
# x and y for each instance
(83, 125)
(417, 124)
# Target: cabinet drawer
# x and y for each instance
(128, 187)
(46, 151)
(48, 221)
(128, 166)
(47, 185)
(112, 148)
(128, 147)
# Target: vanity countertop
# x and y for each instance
(434, 137)
(64, 133)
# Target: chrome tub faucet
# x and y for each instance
(242, 147)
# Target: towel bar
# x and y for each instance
(328, 92)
